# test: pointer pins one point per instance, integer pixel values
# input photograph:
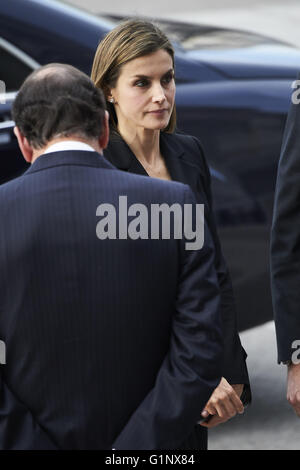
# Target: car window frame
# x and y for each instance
(19, 55)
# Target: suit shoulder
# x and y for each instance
(10, 187)
(141, 182)
(146, 188)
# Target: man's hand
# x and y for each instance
(223, 404)
(293, 387)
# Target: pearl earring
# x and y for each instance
(111, 100)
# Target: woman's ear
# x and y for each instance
(107, 93)
(110, 98)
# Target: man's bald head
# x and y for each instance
(56, 101)
(56, 72)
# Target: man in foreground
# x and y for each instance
(112, 342)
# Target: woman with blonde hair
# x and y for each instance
(134, 66)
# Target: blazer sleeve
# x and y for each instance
(285, 240)
(18, 427)
(234, 363)
(192, 367)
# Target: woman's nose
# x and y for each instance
(158, 95)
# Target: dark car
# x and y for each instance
(233, 92)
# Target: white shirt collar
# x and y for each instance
(69, 145)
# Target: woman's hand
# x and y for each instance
(224, 404)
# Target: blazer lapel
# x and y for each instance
(121, 156)
(180, 169)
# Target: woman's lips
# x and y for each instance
(158, 111)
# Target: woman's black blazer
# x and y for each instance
(186, 163)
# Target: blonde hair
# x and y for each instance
(129, 40)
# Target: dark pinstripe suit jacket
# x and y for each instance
(110, 343)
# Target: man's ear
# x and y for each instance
(25, 147)
(104, 137)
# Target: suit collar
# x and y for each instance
(170, 146)
(63, 145)
(174, 153)
(68, 157)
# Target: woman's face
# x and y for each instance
(145, 92)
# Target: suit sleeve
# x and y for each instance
(192, 367)
(18, 428)
(234, 362)
(285, 240)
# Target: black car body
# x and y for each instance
(233, 92)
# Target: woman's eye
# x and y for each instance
(144, 82)
(141, 83)
(168, 79)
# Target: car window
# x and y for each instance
(12, 164)
(15, 66)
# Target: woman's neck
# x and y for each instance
(144, 144)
